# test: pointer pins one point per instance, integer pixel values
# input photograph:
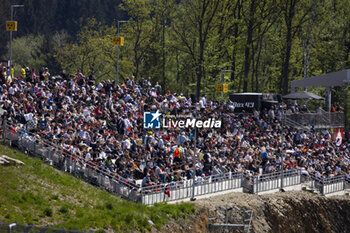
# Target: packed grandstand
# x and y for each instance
(102, 123)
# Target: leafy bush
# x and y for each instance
(109, 206)
(64, 209)
(48, 212)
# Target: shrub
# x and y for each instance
(64, 209)
(109, 206)
(55, 197)
(48, 212)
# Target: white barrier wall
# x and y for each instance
(332, 188)
(183, 191)
(272, 182)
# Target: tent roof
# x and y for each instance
(334, 79)
(302, 95)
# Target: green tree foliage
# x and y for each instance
(184, 45)
(27, 50)
(93, 51)
(4, 16)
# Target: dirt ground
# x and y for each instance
(278, 212)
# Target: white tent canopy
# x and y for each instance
(302, 95)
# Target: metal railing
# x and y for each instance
(329, 185)
(289, 122)
(183, 189)
(324, 120)
(272, 181)
(102, 177)
(20, 228)
(229, 219)
(64, 160)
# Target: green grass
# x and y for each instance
(38, 194)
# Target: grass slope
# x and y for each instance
(37, 193)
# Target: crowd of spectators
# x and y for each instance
(103, 123)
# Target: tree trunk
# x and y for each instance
(247, 46)
(285, 68)
(136, 64)
(257, 67)
(234, 50)
(163, 51)
(233, 68)
(200, 71)
(289, 15)
(177, 67)
(253, 68)
(201, 54)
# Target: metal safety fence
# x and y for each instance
(330, 184)
(63, 159)
(20, 228)
(229, 219)
(324, 120)
(184, 189)
(272, 181)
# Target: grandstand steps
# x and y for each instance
(289, 122)
(324, 121)
(314, 191)
(309, 187)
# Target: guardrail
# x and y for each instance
(289, 122)
(268, 182)
(98, 175)
(20, 228)
(184, 189)
(229, 219)
(327, 119)
(64, 160)
(330, 184)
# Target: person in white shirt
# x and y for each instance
(102, 155)
(99, 86)
(86, 112)
(271, 114)
(11, 90)
(87, 157)
(161, 143)
(126, 144)
(127, 124)
(204, 100)
(201, 104)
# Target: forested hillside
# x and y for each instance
(184, 45)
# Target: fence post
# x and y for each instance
(322, 187)
(34, 146)
(4, 129)
(11, 226)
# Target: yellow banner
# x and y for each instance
(11, 25)
(225, 88)
(219, 87)
(222, 88)
(118, 40)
